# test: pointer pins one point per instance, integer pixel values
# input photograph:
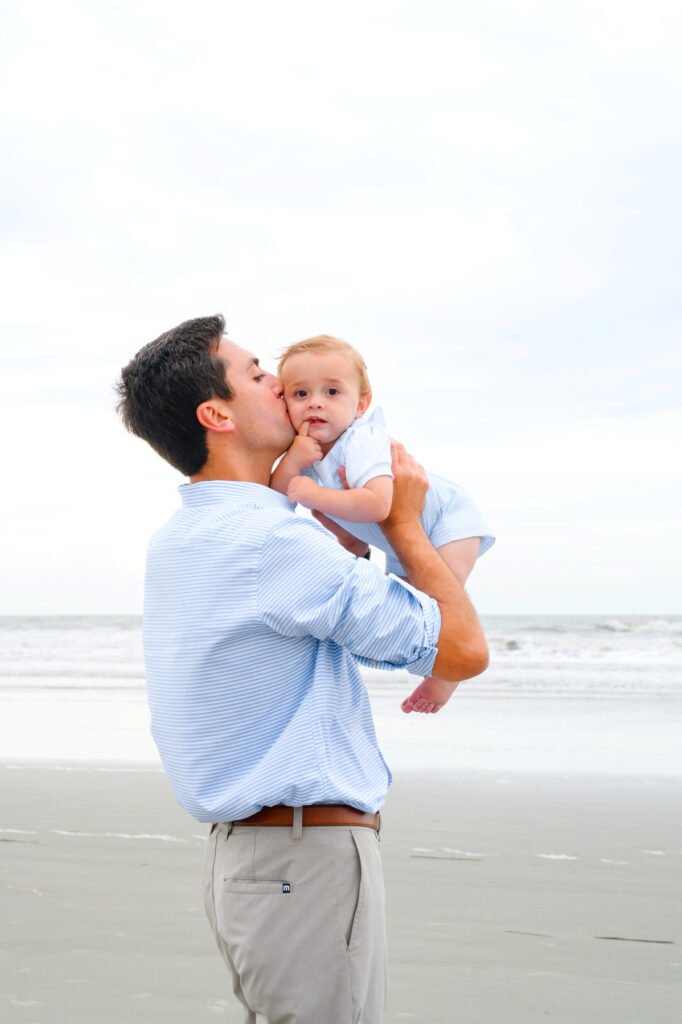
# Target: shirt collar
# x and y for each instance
(215, 492)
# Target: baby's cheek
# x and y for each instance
(292, 413)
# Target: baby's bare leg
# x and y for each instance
(429, 697)
(432, 693)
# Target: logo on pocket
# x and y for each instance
(286, 887)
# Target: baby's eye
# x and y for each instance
(300, 393)
(333, 391)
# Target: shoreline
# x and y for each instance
(410, 769)
(498, 734)
(563, 694)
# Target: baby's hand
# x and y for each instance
(303, 491)
(304, 449)
(429, 697)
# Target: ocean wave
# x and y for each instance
(21, 670)
(553, 628)
(638, 626)
(544, 656)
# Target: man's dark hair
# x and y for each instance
(162, 385)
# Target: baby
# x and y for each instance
(327, 393)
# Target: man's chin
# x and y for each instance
(287, 440)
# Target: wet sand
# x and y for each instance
(515, 898)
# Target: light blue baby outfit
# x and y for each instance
(365, 450)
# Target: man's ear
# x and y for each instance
(363, 405)
(214, 415)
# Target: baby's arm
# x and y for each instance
(367, 460)
(303, 452)
(368, 504)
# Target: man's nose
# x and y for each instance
(276, 386)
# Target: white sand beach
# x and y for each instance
(522, 898)
(532, 837)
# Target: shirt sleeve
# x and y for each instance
(368, 453)
(308, 585)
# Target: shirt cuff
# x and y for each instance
(420, 661)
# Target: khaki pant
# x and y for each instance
(300, 921)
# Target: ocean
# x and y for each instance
(586, 693)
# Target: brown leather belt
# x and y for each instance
(314, 814)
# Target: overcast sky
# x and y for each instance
(483, 197)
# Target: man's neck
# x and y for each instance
(244, 468)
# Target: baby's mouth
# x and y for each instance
(315, 421)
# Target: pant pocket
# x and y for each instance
(209, 866)
(358, 910)
(366, 953)
(258, 886)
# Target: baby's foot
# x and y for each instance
(429, 697)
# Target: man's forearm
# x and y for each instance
(462, 649)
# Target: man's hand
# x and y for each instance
(303, 491)
(410, 485)
(304, 449)
(462, 650)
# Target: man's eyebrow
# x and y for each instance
(254, 361)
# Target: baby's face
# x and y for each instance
(323, 389)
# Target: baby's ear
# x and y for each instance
(363, 405)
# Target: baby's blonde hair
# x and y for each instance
(325, 343)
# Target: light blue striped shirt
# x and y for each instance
(255, 620)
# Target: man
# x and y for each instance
(254, 622)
